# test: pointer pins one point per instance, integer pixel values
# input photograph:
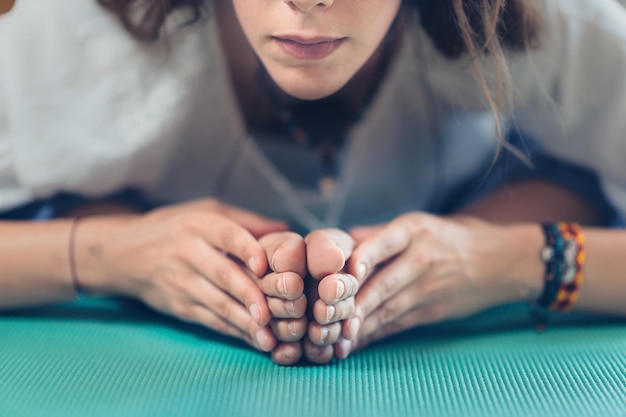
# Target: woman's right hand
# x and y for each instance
(199, 262)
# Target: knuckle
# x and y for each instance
(386, 246)
(186, 222)
(221, 307)
(179, 252)
(230, 236)
(422, 260)
(387, 313)
(388, 286)
(413, 222)
(221, 274)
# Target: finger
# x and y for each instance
(225, 234)
(326, 314)
(289, 330)
(387, 282)
(286, 252)
(287, 354)
(285, 285)
(423, 315)
(282, 309)
(343, 348)
(385, 315)
(317, 354)
(199, 314)
(360, 233)
(230, 278)
(389, 293)
(387, 243)
(337, 287)
(327, 251)
(257, 225)
(210, 297)
(323, 335)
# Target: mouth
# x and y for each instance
(303, 48)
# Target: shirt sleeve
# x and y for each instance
(11, 194)
(576, 106)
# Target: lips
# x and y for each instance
(308, 48)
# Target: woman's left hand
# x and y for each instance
(421, 269)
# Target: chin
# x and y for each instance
(307, 86)
(309, 93)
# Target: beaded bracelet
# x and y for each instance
(564, 259)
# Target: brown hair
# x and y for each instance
(144, 19)
(474, 27)
(484, 28)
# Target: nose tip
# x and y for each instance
(309, 5)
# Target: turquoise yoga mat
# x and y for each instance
(117, 358)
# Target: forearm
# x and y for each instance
(605, 272)
(534, 201)
(34, 259)
(520, 209)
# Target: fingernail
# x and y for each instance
(290, 307)
(330, 313)
(282, 286)
(354, 326)
(273, 260)
(253, 265)
(262, 338)
(361, 270)
(293, 328)
(255, 313)
(323, 334)
(344, 348)
(341, 289)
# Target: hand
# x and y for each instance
(188, 261)
(331, 292)
(284, 288)
(421, 269)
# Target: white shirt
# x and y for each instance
(85, 108)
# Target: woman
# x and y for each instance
(324, 115)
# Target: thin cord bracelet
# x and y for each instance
(78, 288)
(564, 259)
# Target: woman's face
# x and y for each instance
(312, 48)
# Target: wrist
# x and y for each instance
(521, 264)
(96, 245)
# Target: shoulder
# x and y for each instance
(82, 33)
(53, 17)
(77, 47)
(581, 22)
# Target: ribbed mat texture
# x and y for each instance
(117, 358)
